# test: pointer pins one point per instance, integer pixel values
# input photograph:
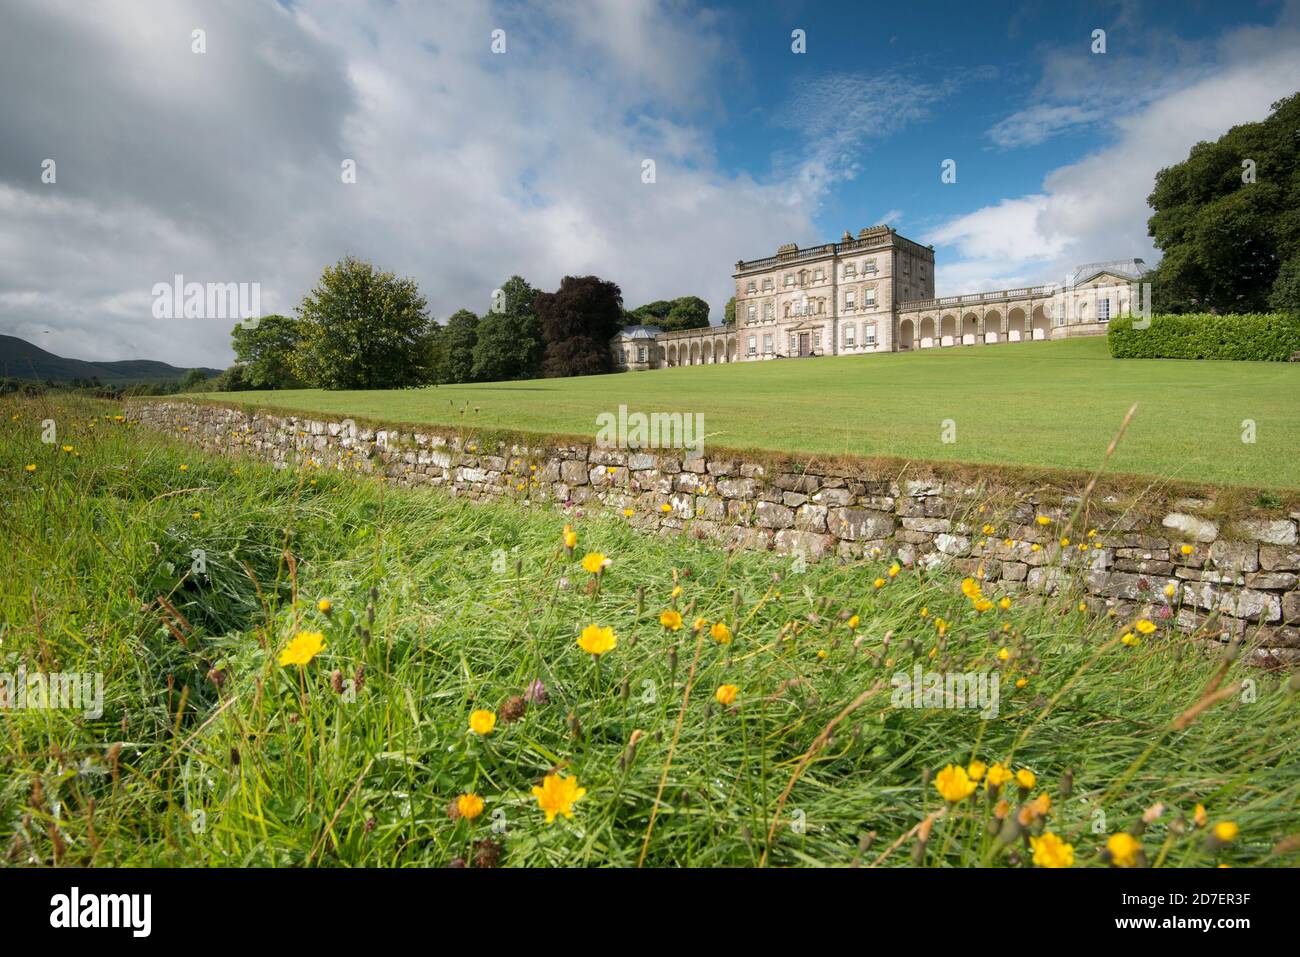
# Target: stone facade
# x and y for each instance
(1239, 579)
(875, 293)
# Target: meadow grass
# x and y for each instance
(1049, 404)
(209, 752)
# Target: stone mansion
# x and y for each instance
(875, 293)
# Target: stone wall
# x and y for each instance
(1229, 578)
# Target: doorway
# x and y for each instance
(803, 343)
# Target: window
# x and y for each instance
(640, 353)
(850, 270)
(794, 345)
(817, 339)
(849, 336)
(1103, 309)
(767, 284)
(868, 297)
(869, 334)
(849, 302)
(767, 312)
(751, 314)
(789, 279)
(818, 276)
(869, 266)
(753, 345)
(750, 287)
(767, 344)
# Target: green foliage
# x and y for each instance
(267, 351)
(685, 312)
(455, 348)
(729, 312)
(509, 342)
(441, 606)
(1286, 291)
(363, 329)
(1263, 337)
(1224, 238)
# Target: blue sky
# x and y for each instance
(473, 165)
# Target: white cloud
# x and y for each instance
(1096, 208)
(470, 166)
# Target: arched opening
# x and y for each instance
(719, 350)
(970, 324)
(731, 349)
(992, 326)
(672, 354)
(706, 350)
(695, 353)
(927, 332)
(1016, 325)
(947, 330)
(906, 335)
(1041, 324)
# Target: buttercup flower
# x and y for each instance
(1003, 654)
(975, 770)
(556, 795)
(570, 538)
(30, 467)
(1043, 520)
(954, 784)
(1225, 831)
(699, 624)
(672, 620)
(997, 776)
(726, 694)
(1123, 848)
(469, 806)
(1004, 603)
(1051, 851)
(720, 632)
(894, 569)
(305, 646)
(665, 508)
(324, 605)
(595, 640)
(879, 583)
(1025, 778)
(595, 563)
(1187, 549)
(629, 512)
(482, 721)
(1145, 627)
(853, 621)
(982, 605)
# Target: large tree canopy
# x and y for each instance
(266, 352)
(509, 344)
(685, 312)
(1228, 220)
(578, 322)
(363, 329)
(455, 350)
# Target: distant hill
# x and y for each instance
(22, 360)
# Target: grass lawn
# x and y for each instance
(1054, 404)
(212, 751)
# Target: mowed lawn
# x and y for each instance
(1053, 404)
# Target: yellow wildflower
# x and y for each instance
(305, 646)
(596, 640)
(324, 605)
(1145, 626)
(975, 770)
(954, 784)
(726, 694)
(469, 806)
(1044, 520)
(879, 583)
(595, 562)
(556, 795)
(853, 621)
(672, 620)
(1225, 831)
(720, 632)
(997, 776)
(1123, 848)
(482, 721)
(1051, 851)
(1025, 778)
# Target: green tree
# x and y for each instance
(509, 340)
(1228, 217)
(192, 378)
(729, 312)
(685, 312)
(267, 351)
(1286, 291)
(363, 329)
(578, 321)
(456, 344)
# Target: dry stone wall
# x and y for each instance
(1230, 579)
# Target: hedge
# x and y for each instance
(1264, 337)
